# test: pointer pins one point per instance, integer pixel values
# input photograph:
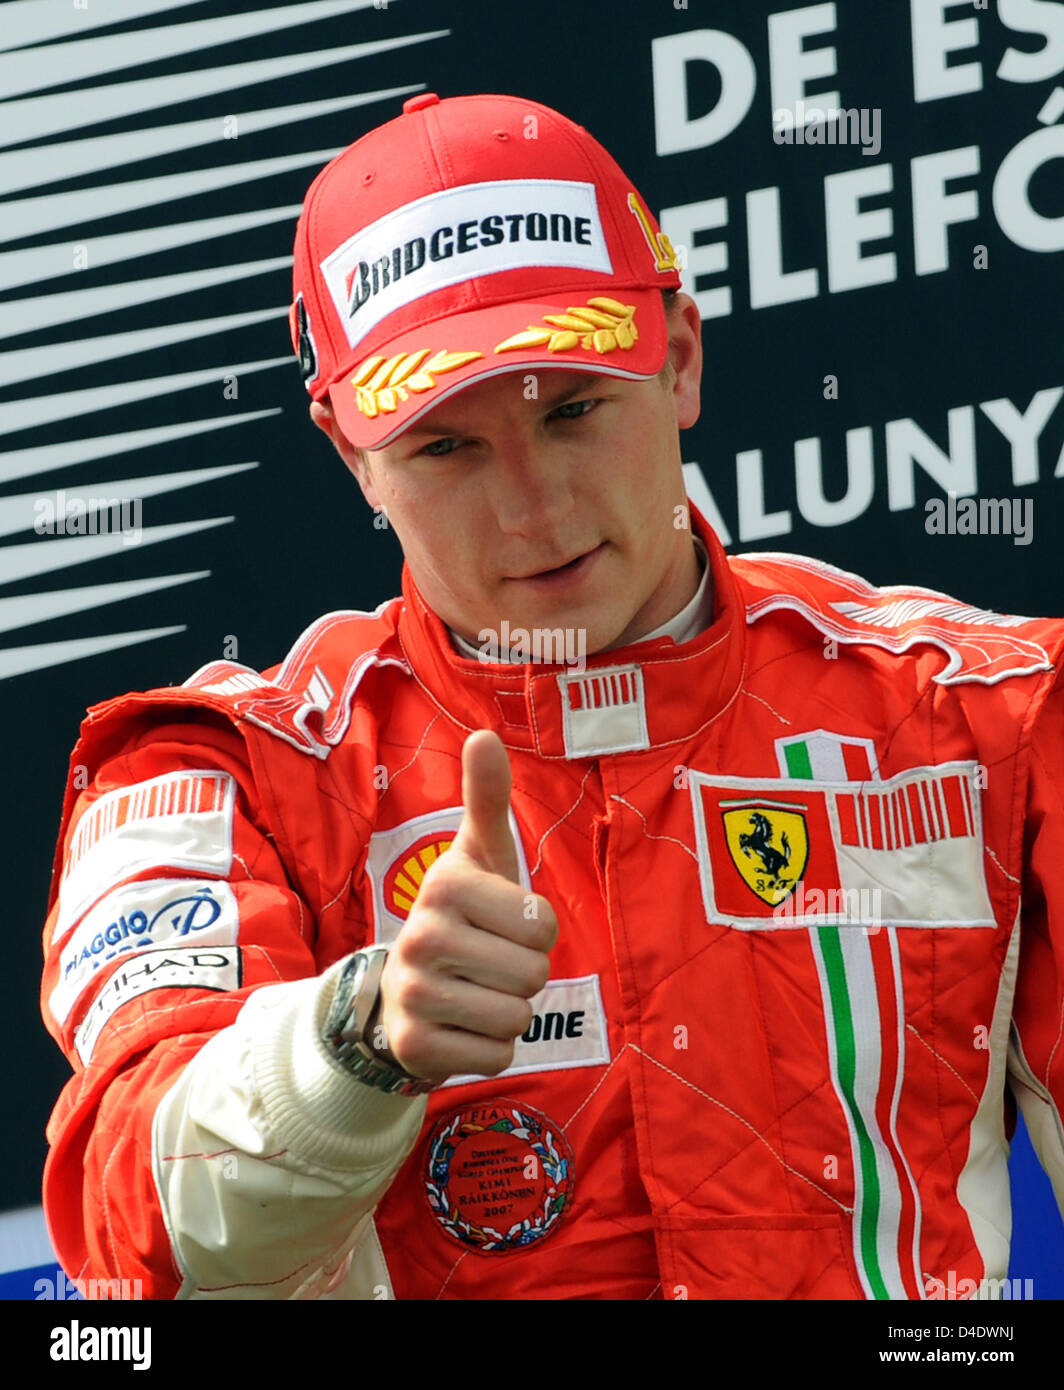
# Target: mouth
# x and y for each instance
(566, 571)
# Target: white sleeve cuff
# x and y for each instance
(328, 1117)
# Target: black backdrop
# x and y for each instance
(153, 158)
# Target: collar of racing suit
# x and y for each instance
(623, 700)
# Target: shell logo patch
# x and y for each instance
(769, 845)
(402, 882)
(499, 1177)
(398, 859)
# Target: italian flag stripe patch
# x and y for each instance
(860, 982)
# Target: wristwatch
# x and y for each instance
(345, 1029)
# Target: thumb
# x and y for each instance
(485, 834)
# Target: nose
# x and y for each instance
(531, 486)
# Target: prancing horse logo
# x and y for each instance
(758, 843)
(769, 869)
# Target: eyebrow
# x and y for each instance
(591, 381)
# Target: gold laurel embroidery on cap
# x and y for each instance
(602, 324)
(381, 383)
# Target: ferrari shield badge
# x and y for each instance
(769, 845)
(499, 1177)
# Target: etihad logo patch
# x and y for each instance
(461, 234)
(180, 967)
(568, 1029)
(399, 859)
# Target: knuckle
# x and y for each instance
(539, 975)
(499, 1058)
(544, 927)
(442, 884)
(408, 990)
(424, 937)
(431, 894)
(414, 992)
(404, 1040)
(403, 950)
(415, 1048)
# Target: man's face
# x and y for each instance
(552, 500)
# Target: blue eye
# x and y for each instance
(572, 410)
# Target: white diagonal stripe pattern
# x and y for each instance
(44, 47)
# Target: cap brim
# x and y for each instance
(407, 376)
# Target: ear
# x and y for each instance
(355, 460)
(685, 354)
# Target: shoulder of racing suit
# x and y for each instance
(981, 646)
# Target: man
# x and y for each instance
(678, 964)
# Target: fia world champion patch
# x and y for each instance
(499, 1177)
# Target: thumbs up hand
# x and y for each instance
(456, 988)
(484, 836)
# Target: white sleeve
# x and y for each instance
(269, 1158)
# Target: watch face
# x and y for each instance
(361, 967)
(341, 1022)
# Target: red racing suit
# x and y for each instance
(806, 871)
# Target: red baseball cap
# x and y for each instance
(467, 238)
